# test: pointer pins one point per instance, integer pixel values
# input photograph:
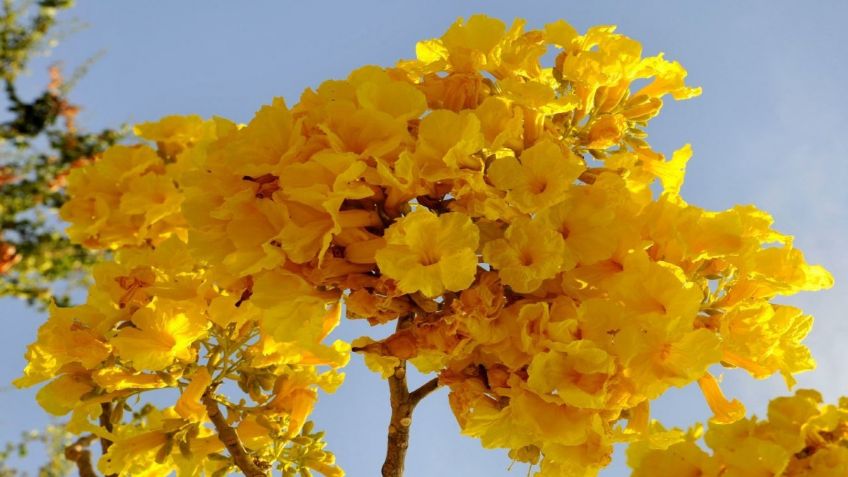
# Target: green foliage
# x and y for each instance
(39, 144)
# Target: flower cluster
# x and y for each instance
(801, 438)
(509, 217)
(156, 319)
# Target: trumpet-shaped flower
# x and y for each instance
(430, 253)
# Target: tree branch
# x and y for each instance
(423, 391)
(79, 454)
(403, 403)
(229, 437)
(106, 423)
(401, 419)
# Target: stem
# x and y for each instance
(424, 390)
(79, 454)
(229, 437)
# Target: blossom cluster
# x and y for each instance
(802, 437)
(156, 319)
(509, 216)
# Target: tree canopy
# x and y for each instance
(496, 202)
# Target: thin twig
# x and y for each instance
(423, 391)
(249, 466)
(106, 423)
(79, 454)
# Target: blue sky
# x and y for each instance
(771, 128)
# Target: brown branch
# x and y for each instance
(106, 423)
(401, 419)
(79, 454)
(423, 391)
(403, 403)
(229, 437)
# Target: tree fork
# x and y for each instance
(403, 403)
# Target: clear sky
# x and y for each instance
(771, 128)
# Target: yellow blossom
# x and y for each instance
(523, 256)
(188, 405)
(430, 253)
(157, 335)
(60, 396)
(125, 198)
(540, 179)
(724, 411)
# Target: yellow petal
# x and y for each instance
(725, 412)
(188, 405)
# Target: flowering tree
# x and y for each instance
(507, 218)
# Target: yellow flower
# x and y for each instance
(312, 194)
(501, 123)
(523, 257)
(646, 286)
(293, 394)
(576, 374)
(134, 455)
(447, 142)
(66, 338)
(551, 423)
(801, 438)
(681, 459)
(430, 253)
(375, 89)
(137, 275)
(668, 79)
(230, 309)
(365, 132)
(538, 99)
(63, 394)
(383, 365)
(469, 43)
(724, 411)
(227, 204)
(671, 172)
(763, 338)
(153, 197)
(269, 352)
(784, 268)
(124, 198)
(292, 310)
(606, 131)
(588, 223)
(542, 177)
(157, 335)
(173, 134)
(560, 33)
(271, 138)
